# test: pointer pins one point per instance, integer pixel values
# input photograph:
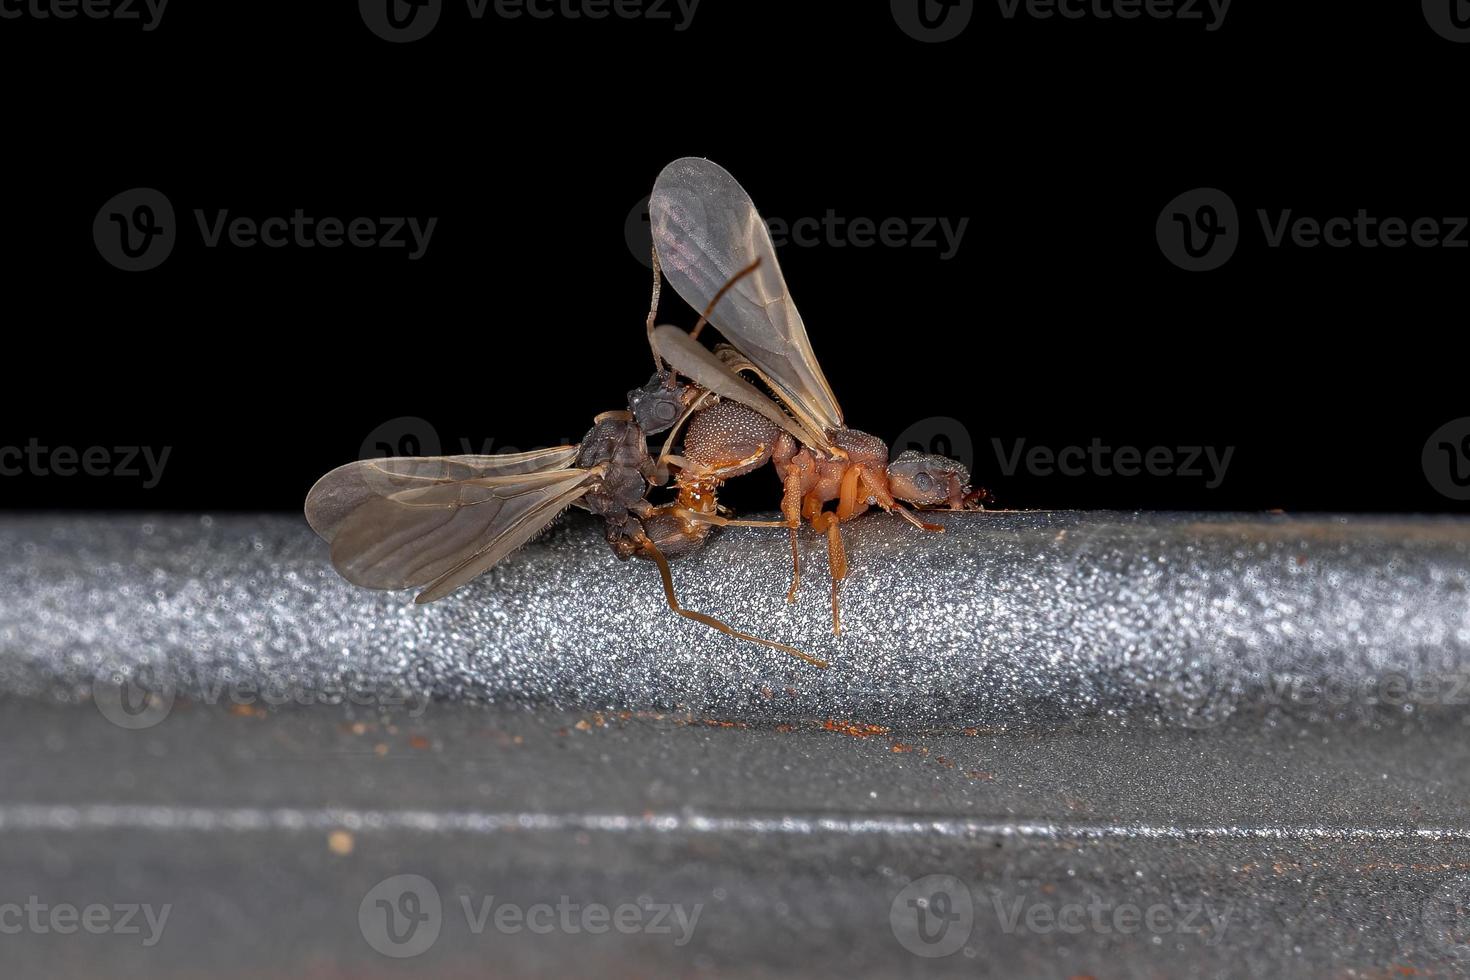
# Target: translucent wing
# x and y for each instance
(706, 230)
(441, 535)
(348, 487)
(697, 363)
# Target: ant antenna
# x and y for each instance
(658, 362)
(704, 317)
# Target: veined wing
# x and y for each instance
(699, 364)
(441, 535)
(706, 230)
(343, 490)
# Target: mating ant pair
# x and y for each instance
(435, 523)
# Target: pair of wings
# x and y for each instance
(437, 522)
(707, 231)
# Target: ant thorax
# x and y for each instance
(862, 449)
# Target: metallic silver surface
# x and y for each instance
(1003, 619)
(1212, 747)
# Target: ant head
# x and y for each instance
(659, 403)
(925, 480)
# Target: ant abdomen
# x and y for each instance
(674, 535)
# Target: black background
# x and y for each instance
(1058, 321)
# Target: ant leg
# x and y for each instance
(649, 549)
(811, 512)
(847, 497)
(791, 510)
(836, 560)
(721, 473)
(877, 488)
(718, 521)
(907, 515)
(811, 506)
(681, 463)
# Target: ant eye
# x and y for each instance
(924, 482)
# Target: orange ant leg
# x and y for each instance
(877, 488)
(811, 506)
(719, 473)
(829, 521)
(836, 560)
(648, 548)
(908, 515)
(847, 498)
